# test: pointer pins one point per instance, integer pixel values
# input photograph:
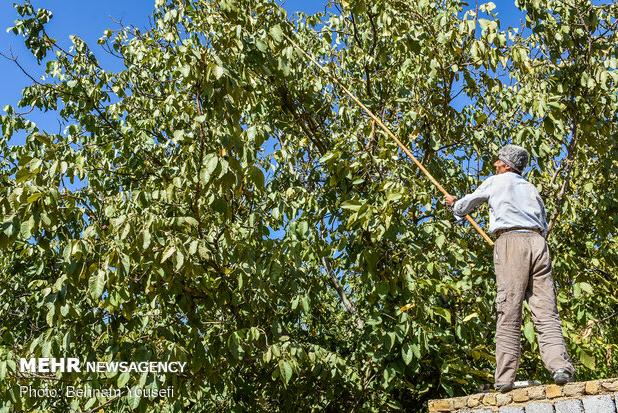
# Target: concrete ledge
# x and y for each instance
(597, 396)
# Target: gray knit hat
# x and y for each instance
(514, 156)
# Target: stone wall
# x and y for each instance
(598, 396)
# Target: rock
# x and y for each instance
(502, 399)
(475, 400)
(440, 405)
(490, 399)
(573, 389)
(599, 404)
(553, 391)
(537, 392)
(539, 408)
(511, 409)
(460, 402)
(569, 406)
(520, 395)
(592, 387)
(610, 385)
(475, 411)
(594, 396)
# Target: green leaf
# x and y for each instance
(389, 340)
(443, 312)
(146, 238)
(351, 205)
(210, 164)
(470, 317)
(393, 196)
(276, 33)
(185, 70)
(529, 331)
(440, 240)
(96, 284)
(382, 289)
(178, 137)
(34, 197)
(51, 311)
(192, 222)
(169, 251)
(261, 45)
(416, 350)
(123, 379)
(90, 403)
(133, 398)
(586, 287)
(587, 360)
(26, 228)
(257, 177)
(431, 267)
(218, 72)
(235, 346)
(302, 228)
(305, 304)
(285, 370)
(487, 7)
(406, 353)
(180, 259)
(448, 388)
(64, 310)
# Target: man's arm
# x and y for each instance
(543, 216)
(471, 201)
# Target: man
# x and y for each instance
(522, 264)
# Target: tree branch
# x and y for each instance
(566, 165)
(349, 306)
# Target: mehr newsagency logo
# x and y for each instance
(75, 365)
(72, 364)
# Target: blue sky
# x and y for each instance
(88, 19)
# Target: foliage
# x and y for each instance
(220, 202)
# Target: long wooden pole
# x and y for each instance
(388, 132)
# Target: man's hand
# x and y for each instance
(450, 199)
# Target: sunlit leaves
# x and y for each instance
(96, 284)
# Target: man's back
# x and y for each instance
(513, 203)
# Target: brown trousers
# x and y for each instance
(523, 272)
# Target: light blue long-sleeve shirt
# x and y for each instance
(513, 202)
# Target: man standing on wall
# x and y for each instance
(522, 264)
